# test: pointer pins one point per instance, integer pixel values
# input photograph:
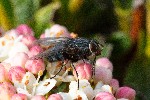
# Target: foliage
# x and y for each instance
(114, 20)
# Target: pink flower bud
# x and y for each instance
(102, 74)
(7, 66)
(104, 62)
(84, 70)
(104, 96)
(23, 29)
(42, 36)
(34, 51)
(28, 40)
(16, 73)
(57, 31)
(115, 84)
(3, 74)
(55, 97)
(126, 92)
(34, 66)
(19, 97)
(7, 90)
(19, 59)
(38, 97)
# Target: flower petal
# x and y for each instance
(45, 86)
(84, 86)
(28, 80)
(23, 91)
(65, 96)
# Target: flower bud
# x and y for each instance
(23, 29)
(19, 97)
(16, 73)
(102, 74)
(19, 59)
(55, 97)
(104, 62)
(122, 99)
(34, 66)
(115, 84)
(38, 97)
(17, 47)
(84, 71)
(104, 96)
(57, 31)
(28, 40)
(42, 36)
(126, 92)
(7, 66)
(3, 74)
(34, 51)
(7, 90)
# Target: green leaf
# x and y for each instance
(6, 15)
(62, 88)
(138, 77)
(44, 16)
(124, 4)
(24, 10)
(107, 49)
(121, 43)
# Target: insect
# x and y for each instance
(71, 49)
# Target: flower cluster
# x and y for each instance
(24, 79)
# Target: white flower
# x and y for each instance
(65, 96)
(45, 86)
(84, 88)
(57, 31)
(74, 95)
(5, 46)
(53, 68)
(85, 91)
(31, 86)
(10, 44)
(100, 87)
(17, 47)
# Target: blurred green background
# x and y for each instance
(124, 26)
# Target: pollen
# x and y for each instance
(46, 84)
(79, 98)
(27, 82)
(3, 43)
(59, 33)
(40, 73)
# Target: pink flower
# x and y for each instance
(19, 59)
(16, 73)
(115, 84)
(55, 97)
(84, 70)
(126, 92)
(7, 90)
(35, 50)
(57, 31)
(104, 62)
(3, 74)
(102, 74)
(35, 66)
(19, 97)
(38, 97)
(28, 40)
(104, 96)
(23, 29)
